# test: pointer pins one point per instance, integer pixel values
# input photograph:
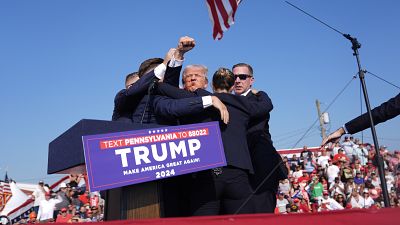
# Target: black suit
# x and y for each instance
(126, 100)
(265, 158)
(133, 100)
(124, 106)
(210, 191)
(385, 111)
(144, 111)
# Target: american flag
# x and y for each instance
(222, 15)
(5, 193)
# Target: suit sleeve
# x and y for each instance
(259, 104)
(202, 92)
(175, 108)
(172, 75)
(386, 111)
(119, 103)
(173, 92)
(141, 86)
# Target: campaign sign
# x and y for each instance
(125, 158)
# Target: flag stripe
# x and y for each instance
(222, 15)
(217, 32)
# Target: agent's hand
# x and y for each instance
(221, 108)
(334, 137)
(169, 55)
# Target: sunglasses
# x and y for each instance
(242, 76)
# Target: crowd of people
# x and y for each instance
(342, 176)
(70, 203)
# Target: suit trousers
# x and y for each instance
(215, 194)
(265, 159)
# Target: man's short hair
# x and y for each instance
(223, 79)
(245, 65)
(131, 75)
(148, 65)
(198, 66)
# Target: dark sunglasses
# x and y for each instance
(242, 76)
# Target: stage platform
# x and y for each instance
(389, 216)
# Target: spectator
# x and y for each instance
(346, 172)
(46, 208)
(309, 165)
(294, 162)
(64, 216)
(316, 189)
(284, 186)
(72, 209)
(96, 216)
(281, 203)
(297, 173)
(357, 167)
(74, 198)
(295, 191)
(324, 183)
(370, 168)
(350, 187)
(340, 157)
(335, 149)
(306, 153)
(332, 171)
(360, 152)
(389, 179)
(74, 180)
(375, 180)
(359, 180)
(304, 206)
(304, 178)
(65, 201)
(38, 195)
(341, 200)
(331, 204)
(82, 212)
(322, 160)
(32, 217)
(356, 201)
(84, 198)
(368, 201)
(337, 187)
(347, 145)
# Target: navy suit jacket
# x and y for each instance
(263, 153)
(385, 111)
(126, 100)
(260, 124)
(129, 104)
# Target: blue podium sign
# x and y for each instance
(125, 158)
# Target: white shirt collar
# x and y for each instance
(246, 93)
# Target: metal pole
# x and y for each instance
(355, 46)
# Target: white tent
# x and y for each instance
(18, 198)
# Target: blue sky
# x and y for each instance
(61, 61)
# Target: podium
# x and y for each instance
(145, 200)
